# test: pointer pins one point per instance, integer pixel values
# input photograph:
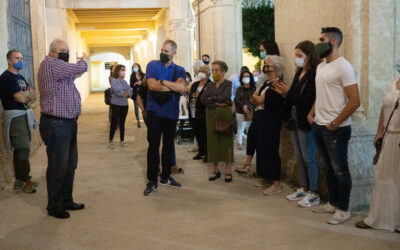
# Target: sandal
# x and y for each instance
(216, 176)
(228, 179)
(361, 224)
(244, 169)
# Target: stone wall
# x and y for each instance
(371, 44)
(39, 50)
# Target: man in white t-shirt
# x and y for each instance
(337, 98)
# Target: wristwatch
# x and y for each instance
(333, 124)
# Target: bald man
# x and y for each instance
(60, 104)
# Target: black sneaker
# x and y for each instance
(150, 188)
(170, 181)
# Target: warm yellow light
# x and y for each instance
(143, 43)
(137, 49)
(152, 38)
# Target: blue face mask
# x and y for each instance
(263, 54)
(398, 66)
(19, 65)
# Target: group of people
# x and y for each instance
(317, 108)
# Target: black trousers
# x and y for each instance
(119, 114)
(60, 138)
(200, 132)
(158, 127)
(251, 140)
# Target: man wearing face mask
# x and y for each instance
(165, 79)
(60, 104)
(16, 96)
(337, 98)
(206, 59)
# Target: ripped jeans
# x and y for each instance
(332, 148)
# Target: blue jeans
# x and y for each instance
(136, 110)
(332, 148)
(305, 150)
(60, 138)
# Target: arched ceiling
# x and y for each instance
(115, 27)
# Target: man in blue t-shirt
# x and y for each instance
(165, 81)
(16, 95)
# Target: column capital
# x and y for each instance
(181, 24)
(227, 2)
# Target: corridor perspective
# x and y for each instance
(200, 215)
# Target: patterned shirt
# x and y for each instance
(58, 95)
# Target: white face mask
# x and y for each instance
(135, 69)
(300, 62)
(202, 76)
(256, 79)
(246, 80)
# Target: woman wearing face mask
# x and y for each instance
(384, 212)
(135, 81)
(217, 99)
(300, 98)
(120, 92)
(267, 48)
(244, 109)
(197, 111)
(267, 125)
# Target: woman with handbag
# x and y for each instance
(244, 109)
(121, 91)
(217, 99)
(384, 210)
(197, 111)
(300, 98)
(266, 126)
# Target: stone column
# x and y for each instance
(181, 26)
(221, 31)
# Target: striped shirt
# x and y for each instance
(58, 95)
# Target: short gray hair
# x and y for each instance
(277, 62)
(54, 43)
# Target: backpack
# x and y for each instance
(107, 96)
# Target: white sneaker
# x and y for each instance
(124, 144)
(296, 196)
(311, 199)
(324, 209)
(111, 145)
(339, 217)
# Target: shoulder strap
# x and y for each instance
(174, 76)
(391, 115)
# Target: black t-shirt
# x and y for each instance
(10, 84)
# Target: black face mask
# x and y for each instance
(206, 62)
(323, 49)
(63, 56)
(164, 58)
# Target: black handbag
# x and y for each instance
(289, 122)
(163, 97)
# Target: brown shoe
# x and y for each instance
(28, 187)
(361, 224)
